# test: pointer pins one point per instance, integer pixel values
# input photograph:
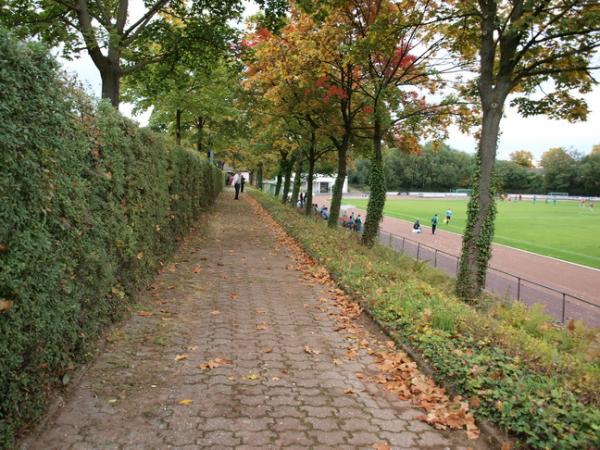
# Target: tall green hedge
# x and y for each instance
(90, 203)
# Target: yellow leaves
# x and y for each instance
(118, 293)
(144, 313)
(140, 256)
(5, 305)
(262, 326)
(311, 351)
(233, 296)
(252, 376)
(185, 402)
(215, 312)
(268, 350)
(349, 391)
(214, 363)
(351, 354)
(198, 269)
(181, 357)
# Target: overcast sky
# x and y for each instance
(536, 134)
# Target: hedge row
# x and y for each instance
(469, 350)
(90, 205)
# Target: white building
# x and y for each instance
(322, 184)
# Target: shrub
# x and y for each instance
(90, 205)
(544, 395)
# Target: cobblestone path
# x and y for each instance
(232, 347)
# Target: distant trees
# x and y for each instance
(559, 169)
(522, 158)
(444, 169)
(431, 169)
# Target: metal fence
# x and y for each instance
(561, 305)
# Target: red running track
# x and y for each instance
(557, 276)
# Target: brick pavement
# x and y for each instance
(232, 292)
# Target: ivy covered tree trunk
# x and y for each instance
(297, 180)
(481, 211)
(287, 180)
(338, 186)
(377, 186)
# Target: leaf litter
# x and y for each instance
(398, 373)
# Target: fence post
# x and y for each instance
(435, 258)
(418, 249)
(518, 288)
(562, 320)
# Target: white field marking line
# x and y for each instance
(504, 245)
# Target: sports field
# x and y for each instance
(563, 231)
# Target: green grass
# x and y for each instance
(563, 231)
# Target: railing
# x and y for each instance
(559, 304)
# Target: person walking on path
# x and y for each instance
(243, 181)
(237, 183)
(448, 215)
(434, 222)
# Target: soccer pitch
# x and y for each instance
(562, 230)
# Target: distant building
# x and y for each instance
(322, 184)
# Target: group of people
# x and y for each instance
(434, 222)
(352, 222)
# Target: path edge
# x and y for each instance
(490, 432)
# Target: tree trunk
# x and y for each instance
(338, 186)
(376, 184)
(297, 180)
(111, 83)
(259, 177)
(200, 130)
(481, 213)
(312, 158)
(178, 127)
(278, 185)
(287, 180)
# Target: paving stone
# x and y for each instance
(296, 400)
(402, 439)
(429, 439)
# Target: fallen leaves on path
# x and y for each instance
(311, 351)
(402, 377)
(381, 446)
(186, 402)
(144, 313)
(214, 363)
(198, 269)
(262, 326)
(252, 376)
(182, 357)
(215, 312)
(398, 373)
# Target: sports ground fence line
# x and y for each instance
(561, 305)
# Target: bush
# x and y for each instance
(90, 205)
(545, 395)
